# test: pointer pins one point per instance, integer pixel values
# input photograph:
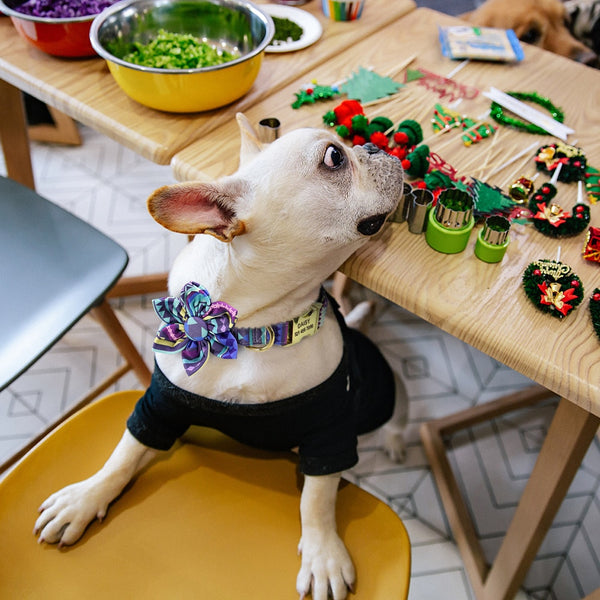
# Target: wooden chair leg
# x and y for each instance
(63, 131)
(106, 316)
(339, 290)
(14, 137)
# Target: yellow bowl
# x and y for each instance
(230, 24)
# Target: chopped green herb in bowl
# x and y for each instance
(286, 30)
(177, 51)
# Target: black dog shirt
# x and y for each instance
(322, 422)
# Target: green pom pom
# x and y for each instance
(413, 130)
(359, 124)
(437, 180)
(330, 118)
(343, 131)
(418, 161)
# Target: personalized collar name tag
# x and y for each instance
(307, 324)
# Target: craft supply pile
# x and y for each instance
(549, 188)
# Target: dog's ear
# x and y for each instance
(250, 144)
(196, 207)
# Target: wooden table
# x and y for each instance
(482, 304)
(85, 90)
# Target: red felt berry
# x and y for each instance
(577, 163)
(579, 208)
(538, 197)
(546, 189)
(401, 138)
(379, 139)
(575, 283)
(537, 272)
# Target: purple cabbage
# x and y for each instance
(63, 9)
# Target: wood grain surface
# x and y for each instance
(85, 90)
(482, 304)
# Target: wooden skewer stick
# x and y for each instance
(516, 157)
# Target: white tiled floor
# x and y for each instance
(107, 185)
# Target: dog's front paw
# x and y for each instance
(393, 442)
(326, 567)
(65, 515)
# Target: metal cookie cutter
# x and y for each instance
(268, 129)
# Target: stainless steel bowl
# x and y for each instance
(229, 24)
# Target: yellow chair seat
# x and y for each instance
(212, 519)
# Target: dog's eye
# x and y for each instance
(334, 157)
(531, 36)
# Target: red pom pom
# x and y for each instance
(359, 140)
(575, 283)
(422, 185)
(401, 138)
(537, 272)
(406, 164)
(579, 209)
(309, 91)
(546, 189)
(596, 297)
(347, 109)
(379, 139)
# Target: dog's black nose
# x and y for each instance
(371, 225)
(371, 148)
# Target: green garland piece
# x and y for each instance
(574, 224)
(311, 95)
(497, 112)
(595, 311)
(550, 272)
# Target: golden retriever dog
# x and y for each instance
(544, 23)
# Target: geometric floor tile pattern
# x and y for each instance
(107, 185)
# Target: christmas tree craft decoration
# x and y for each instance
(489, 200)
(366, 86)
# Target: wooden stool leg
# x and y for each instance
(105, 315)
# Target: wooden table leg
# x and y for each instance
(13, 135)
(570, 434)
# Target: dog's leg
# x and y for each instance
(393, 430)
(66, 514)
(326, 564)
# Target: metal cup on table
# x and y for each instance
(419, 204)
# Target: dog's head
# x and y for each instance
(306, 190)
(543, 23)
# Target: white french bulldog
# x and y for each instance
(282, 224)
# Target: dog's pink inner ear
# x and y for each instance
(194, 209)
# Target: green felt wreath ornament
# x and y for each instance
(553, 287)
(551, 220)
(595, 311)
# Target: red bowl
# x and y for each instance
(59, 37)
